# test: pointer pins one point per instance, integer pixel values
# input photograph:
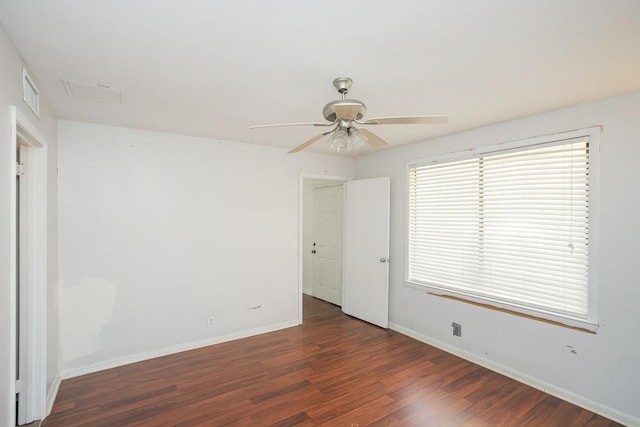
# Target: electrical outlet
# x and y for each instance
(211, 322)
(457, 329)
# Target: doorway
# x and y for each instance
(29, 270)
(320, 215)
(364, 246)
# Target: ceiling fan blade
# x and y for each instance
(406, 120)
(309, 142)
(373, 139)
(290, 124)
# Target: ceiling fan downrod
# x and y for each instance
(343, 84)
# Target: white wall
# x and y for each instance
(11, 94)
(604, 371)
(158, 232)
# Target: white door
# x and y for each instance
(366, 250)
(21, 287)
(327, 244)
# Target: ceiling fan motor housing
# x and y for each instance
(344, 109)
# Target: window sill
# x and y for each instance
(576, 325)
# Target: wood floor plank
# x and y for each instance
(333, 370)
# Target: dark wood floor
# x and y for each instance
(333, 370)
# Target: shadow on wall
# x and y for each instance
(84, 310)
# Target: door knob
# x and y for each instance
(383, 259)
(313, 251)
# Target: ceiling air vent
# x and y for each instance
(93, 92)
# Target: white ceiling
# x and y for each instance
(213, 68)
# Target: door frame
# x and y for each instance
(301, 221)
(34, 385)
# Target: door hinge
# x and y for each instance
(21, 168)
(18, 386)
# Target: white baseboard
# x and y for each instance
(125, 360)
(51, 395)
(576, 399)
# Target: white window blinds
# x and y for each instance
(510, 227)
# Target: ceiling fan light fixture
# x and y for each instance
(339, 140)
(346, 139)
(356, 138)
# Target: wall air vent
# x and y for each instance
(30, 92)
(93, 92)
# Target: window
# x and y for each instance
(508, 227)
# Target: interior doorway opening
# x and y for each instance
(320, 238)
(28, 271)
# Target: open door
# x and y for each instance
(365, 292)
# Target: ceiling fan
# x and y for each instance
(343, 113)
